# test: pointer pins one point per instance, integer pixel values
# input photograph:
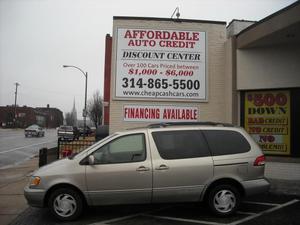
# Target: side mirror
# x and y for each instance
(91, 160)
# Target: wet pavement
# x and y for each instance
(16, 148)
(262, 209)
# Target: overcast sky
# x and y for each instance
(38, 36)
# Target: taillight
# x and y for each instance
(260, 161)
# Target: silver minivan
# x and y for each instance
(162, 163)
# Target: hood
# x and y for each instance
(53, 168)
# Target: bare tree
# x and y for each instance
(94, 108)
(69, 119)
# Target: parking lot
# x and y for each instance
(262, 209)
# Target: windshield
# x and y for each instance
(66, 128)
(32, 127)
(92, 146)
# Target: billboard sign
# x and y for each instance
(267, 119)
(161, 64)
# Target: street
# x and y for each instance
(15, 147)
(262, 209)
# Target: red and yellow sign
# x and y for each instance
(267, 119)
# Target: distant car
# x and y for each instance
(88, 131)
(34, 131)
(68, 133)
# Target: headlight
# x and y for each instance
(34, 181)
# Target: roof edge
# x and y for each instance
(167, 19)
(269, 17)
(233, 20)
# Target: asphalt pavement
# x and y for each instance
(15, 148)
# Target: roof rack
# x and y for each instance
(207, 123)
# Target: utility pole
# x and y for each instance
(16, 94)
(85, 111)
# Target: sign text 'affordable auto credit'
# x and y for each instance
(161, 64)
(142, 113)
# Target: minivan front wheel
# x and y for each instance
(65, 204)
(224, 200)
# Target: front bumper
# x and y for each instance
(258, 186)
(31, 133)
(34, 197)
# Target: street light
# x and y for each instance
(84, 111)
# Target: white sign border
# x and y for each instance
(114, 66)
(154, 121)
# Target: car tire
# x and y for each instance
(65, 204)
(223, 200)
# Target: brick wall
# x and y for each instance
(27, 116)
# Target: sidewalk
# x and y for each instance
(283, 173)
(12, 182)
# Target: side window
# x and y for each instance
(180, 144)
(226, 142)
(129, 148)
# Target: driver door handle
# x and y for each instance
(142, 168)
(162, 167)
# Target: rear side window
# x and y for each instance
(180, 144)
(226, 142)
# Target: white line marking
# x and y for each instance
(14, 149)
(264, 212)
(252, 215)
(128, 217)
(186, 220)
(116, 219)
(261, 203)
(246, 213)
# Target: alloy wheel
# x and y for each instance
(65, 205)
(224, 201)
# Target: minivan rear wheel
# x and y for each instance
(224, 200)
(65, 204)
